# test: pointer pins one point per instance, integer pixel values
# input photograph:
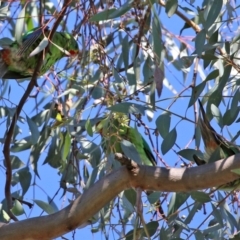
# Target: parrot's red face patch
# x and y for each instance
(73, 53)
(5, 54)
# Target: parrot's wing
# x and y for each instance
(142, 146)
(12, 75)
(3, 68)
(29, 39)
(149, 152)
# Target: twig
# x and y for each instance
(30, 205)
(9, 134)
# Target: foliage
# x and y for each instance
(150, 60)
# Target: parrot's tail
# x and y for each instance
(3, 66)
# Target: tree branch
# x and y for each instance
(103, 191)
(9, 134)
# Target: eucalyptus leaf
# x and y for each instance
(169, 141)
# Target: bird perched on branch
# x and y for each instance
(19, 59)
(216, 147)
(114, 129)
(119, 137)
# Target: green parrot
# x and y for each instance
(115, 128)
(17, 63)
(216, 147)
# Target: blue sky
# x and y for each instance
(48, 185)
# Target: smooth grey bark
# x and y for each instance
(104, 190)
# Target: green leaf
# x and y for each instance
(4, 217)
(54, 158)
(20, 24)
(104, 15)
(152, 228)
(196, 91)
(92, 150)
(147, 71)
(216, 6)
(98, 92)
(217, 215)
(198, 235)
(181, 224)
(224, 79)
(177, 200)
(157, 38)
(187, 61)
(127, 205)
(36, 150)
(88, 127)
(215, 99)
(128, 108)
(130, 151)
(163, 233)
(69, 175)
(169, 141)
(188, 154)
(153, 197)
(45, 206)
(152, 95)
(122, 10)
(125, 51)
(25, 178)
(4, 12)
(5, 42)
(234, 103)
(66, 145)
(131, 196)
(22, 144)
(201, 197)
(196, 207)
(129, 235)
(171, 7)
(137, 69)
(42, 45)
(41, 117)
(117, 77)
(34, 130)
(158, 78)
(208, 56)
(163, 123)
(92, 178)
(15, 162)
(212, 75)
(230, 116)
(17, 209)
(200, 41)
(131, 76)
(217, 115)
(53, 205)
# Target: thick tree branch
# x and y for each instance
(96, 197)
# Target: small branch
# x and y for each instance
(192, 24)
(30, 205)
(125, 161)
(9, 134)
